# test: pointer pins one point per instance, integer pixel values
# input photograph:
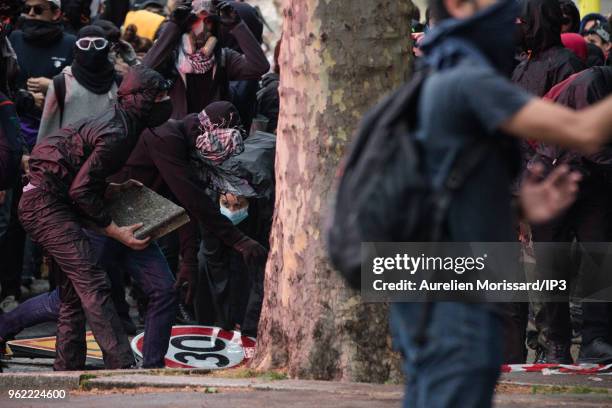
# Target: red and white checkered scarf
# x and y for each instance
(217, 143)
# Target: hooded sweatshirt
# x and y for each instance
(74, 162)
(548, 62)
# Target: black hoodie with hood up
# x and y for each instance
(548, 62)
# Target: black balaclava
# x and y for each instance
(92, 68)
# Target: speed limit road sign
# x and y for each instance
(203, 347)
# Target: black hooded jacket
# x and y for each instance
(74, 163)
(548, 62)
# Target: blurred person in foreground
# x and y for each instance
(470, 52)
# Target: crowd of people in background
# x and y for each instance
(164, 94)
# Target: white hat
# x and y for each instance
(58, 3)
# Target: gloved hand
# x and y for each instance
(251, 250)
(229, 16)
(183, 15)
(185, 278)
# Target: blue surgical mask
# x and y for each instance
(236, 217)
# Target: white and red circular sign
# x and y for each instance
(203, 347)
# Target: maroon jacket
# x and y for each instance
(201, 90)
(74, 163)
(161, 161)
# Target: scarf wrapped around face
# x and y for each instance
(193, 61)
(217, 143)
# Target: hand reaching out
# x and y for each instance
(544, 200)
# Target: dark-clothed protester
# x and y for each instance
(201, 75)
(166, 159)
(548, 61)
(68, 172)
(588, 220)
(89, 84)
(11, 144)
(470, 56)
(244, 92)
(43, 49)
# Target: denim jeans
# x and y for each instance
(458, 364)
(151, 273)
(40, 309)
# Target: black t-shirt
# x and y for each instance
(457, 108)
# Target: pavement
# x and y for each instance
(245, 388)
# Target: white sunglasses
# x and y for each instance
(86, 43)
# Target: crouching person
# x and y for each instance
(68, 172)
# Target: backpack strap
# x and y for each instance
(59, 86)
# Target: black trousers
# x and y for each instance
(588, 220)
(84, 286)
(11, 251)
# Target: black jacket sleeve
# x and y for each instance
(163, 48)
(170, 155)
(253, 64)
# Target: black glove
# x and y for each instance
(183, 15)
(228, 15)
(251, 250)
(24, 102)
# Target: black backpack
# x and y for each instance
(383, 193)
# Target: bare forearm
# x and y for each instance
(547, 122)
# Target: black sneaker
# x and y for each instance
(183, 316)
(555, 353)
(598, 351)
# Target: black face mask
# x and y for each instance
(42, 32)
(92, 60)
(160, 113)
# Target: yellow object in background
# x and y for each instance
(146, 22)
(589, 6)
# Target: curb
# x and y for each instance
(135, 381)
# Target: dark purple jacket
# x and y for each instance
(73, 163)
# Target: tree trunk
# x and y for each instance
(337, 59)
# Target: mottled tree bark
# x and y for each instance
(338, 59)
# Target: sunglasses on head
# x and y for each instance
(86, 43)
(38, 9)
